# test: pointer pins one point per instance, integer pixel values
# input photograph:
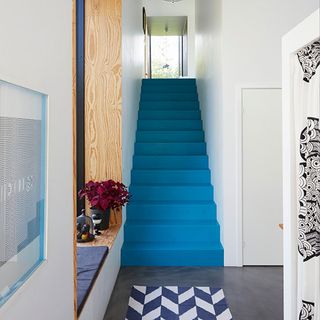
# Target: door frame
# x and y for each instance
(239, 162)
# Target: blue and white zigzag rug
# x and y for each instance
(177, 303)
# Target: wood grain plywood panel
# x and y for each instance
(106, 238)
(103, 91)
(100, 8)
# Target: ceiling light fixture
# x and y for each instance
(173, 1)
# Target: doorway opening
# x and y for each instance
(168, 47)
(165, 58)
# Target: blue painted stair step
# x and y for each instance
(172, 89)
(173, 148)
(169, 114)
(170, 162)
(170, 136)
(164, 96)
(169, 210)
(169, 105)
(172, 125)
(171, 219)
(170, 177)
(179, 231)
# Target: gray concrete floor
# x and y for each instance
(253, 293)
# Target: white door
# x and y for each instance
(262, 176)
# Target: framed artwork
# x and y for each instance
(23, 143)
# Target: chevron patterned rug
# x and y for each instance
(177, 303)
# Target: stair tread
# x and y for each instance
(171, 170)
(160, 103)
(168, 82)
(170, 131)
(180, 156)
(162, 184)
(173, 100)
(164, 92)
(149, 105)
(190, 102)
(169, 79)
(179, 185)
(171, 111)
(172, 142)
(175, 120)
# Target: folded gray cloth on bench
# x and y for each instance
(89, 263)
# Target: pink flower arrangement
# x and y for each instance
(105, 194)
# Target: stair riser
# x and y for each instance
(170, 177)
(170, 136)
(169, 105)
(170, 149)
(172, 233)
(141, 211)
(170, 125)
(169, 97)
(168, 89)
(210, 258)
(171, 193)
(170, 162)
(169, 115)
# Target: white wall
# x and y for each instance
(251, 54)
(36, 52)
(132, 75)
(209, 81)
(183, 8)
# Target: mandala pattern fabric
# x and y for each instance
(307, 311)
(309, 200)
(177, 303)
(306, 113)
(309, 58)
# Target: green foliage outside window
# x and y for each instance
(165, 57)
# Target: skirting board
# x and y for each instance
(100, 294)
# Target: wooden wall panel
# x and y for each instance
(105, 8)
(103, 90)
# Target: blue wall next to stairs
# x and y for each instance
(171, 219)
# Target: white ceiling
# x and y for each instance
(167, 26)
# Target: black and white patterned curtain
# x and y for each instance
(307, 113)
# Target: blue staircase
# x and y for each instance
(171, 219)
